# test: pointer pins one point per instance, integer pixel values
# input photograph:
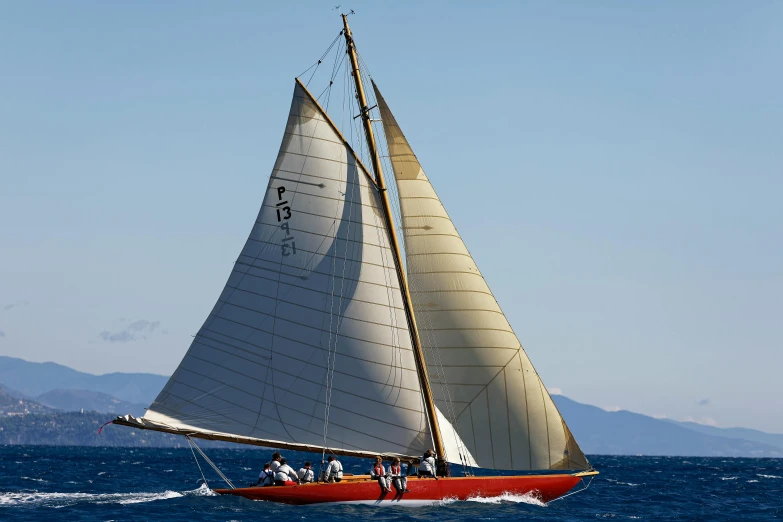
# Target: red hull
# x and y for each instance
(422, 491)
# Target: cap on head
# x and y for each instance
(307, 464)
(282, 461)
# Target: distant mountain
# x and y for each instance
(13, 403)
(625, 433)
(34, 379)
(81, 429)
(773, 439)
(77, 400)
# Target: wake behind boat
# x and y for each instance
(322, 341)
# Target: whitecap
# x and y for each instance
(34, 479)
(527, 498)
(729, 478)
(752, 481)
(202, 491)
(59, 500)
(767, 476)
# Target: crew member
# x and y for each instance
(285, 474)
(305, 474)
(267, 476)
(275, 461)
(378, 473)
(399, 480)
(427, 466)
(333, 471)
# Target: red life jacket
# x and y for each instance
(395, 470)
(378, 470)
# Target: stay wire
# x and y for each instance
(318, 63)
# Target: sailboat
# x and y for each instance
(326, 339)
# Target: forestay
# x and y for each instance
(314, 288)
(504, 413)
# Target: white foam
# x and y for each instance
(58, 500)
(767, 476)
(729, 478)
(527, 498)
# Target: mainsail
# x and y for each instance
(308, 344)
(503, 412)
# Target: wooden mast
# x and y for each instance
(418, 352)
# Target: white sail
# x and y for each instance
(504, 414)
(311, 313)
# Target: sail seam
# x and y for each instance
(309, 290)
(289, 357)
(292, 322)
(291, 424)
(354, 412)
(314, 176)
(374, 245)
(282, 301)
(363, 262)
(362, 281)
(299, 211)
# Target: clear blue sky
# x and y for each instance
(616, 169)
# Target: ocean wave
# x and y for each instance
(527, 498)
(729, 478)
(58, 500)
(767, 476)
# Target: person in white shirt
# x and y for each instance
(285, 473)
(275, 461)
(305, 474)
(267, 476)
(333, 471)
(378, 473)
(394, 473)
(427, 467)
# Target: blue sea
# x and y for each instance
(92, 484)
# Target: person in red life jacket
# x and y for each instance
(399, 480)
(285, 474)
(378, 473)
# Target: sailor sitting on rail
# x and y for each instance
(275, 461)
(267, 476)
(333, 471)
(427, 467)
(285, 474)
(399, 480)
(378, 473)
(306, 474)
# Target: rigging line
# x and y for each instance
(335, 69)
(204, 455)
(330, 355)
(190, 445)
(575, 492)
(318, 63)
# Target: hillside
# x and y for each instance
(81, 429)
(33, 379)
(77, 400)
(626, 433)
